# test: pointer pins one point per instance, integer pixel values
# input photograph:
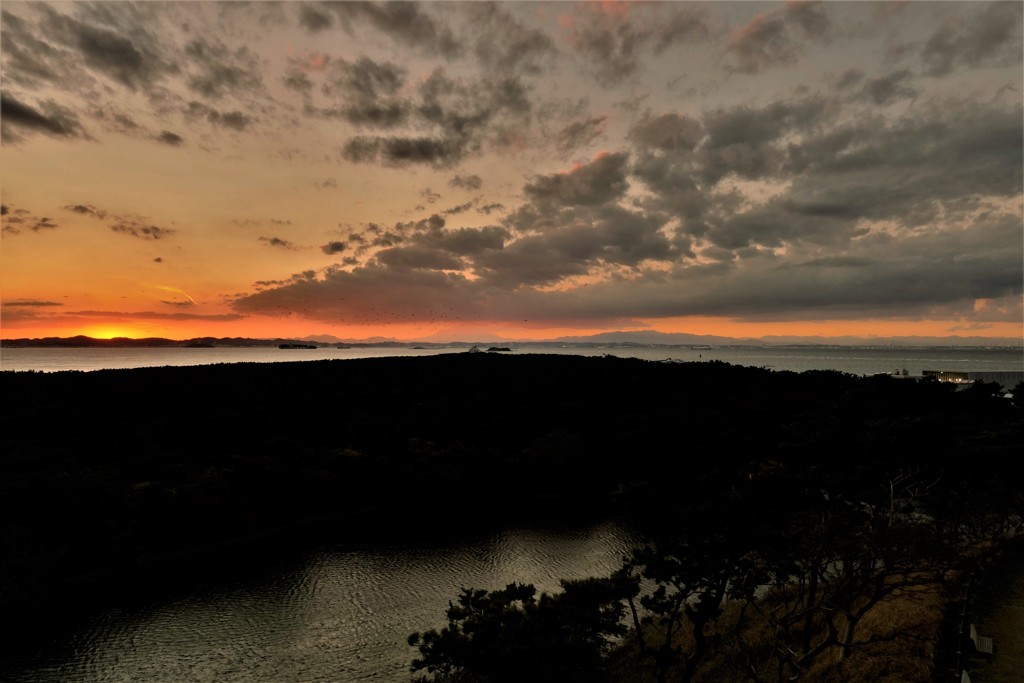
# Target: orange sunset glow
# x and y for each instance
(518, 171)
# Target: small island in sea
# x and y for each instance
(799, 515)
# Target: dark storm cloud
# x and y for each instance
(17, 117)
(774, 39)
(580, 133)
(470, 182)
(169, 138)
(602, 180)
(334, 247)
(406, 23)
(277, 242)
(991, 35)
(217, 70)
(141, 231)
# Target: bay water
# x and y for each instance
(863, 360)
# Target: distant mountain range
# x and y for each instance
(645, 338)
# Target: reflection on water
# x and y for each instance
(854, 360)
(339, 614)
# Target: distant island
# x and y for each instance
(605, 339)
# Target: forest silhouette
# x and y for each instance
(783, 512)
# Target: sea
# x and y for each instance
(857, 360)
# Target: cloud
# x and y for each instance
(87, 210)
(17, 117)
(234, 120)
(773, 39)
(602, 180)
(114, 41)
(277, 242)
(398, 151)
(504, 44)
(334, 247)
(611, 39)
(487, 209)
(313, 19)
(31, 303)
(580, 133)
(763, 43)
(885, 89)
(667, 132)
(152, 315)
(470, 182)
(169, 138)
(141, 231)
(988, 36)
(408, 24)
(449, 119)
(217, 70)
(44, 224)
(461, 208)
(368, 90)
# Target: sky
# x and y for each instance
(515, 170)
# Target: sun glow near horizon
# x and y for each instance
(380, 181)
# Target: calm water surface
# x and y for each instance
(855, 360)
(338, 614)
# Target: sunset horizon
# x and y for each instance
(512, 170)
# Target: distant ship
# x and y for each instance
(296, 346)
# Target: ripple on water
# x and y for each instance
(344, 613)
